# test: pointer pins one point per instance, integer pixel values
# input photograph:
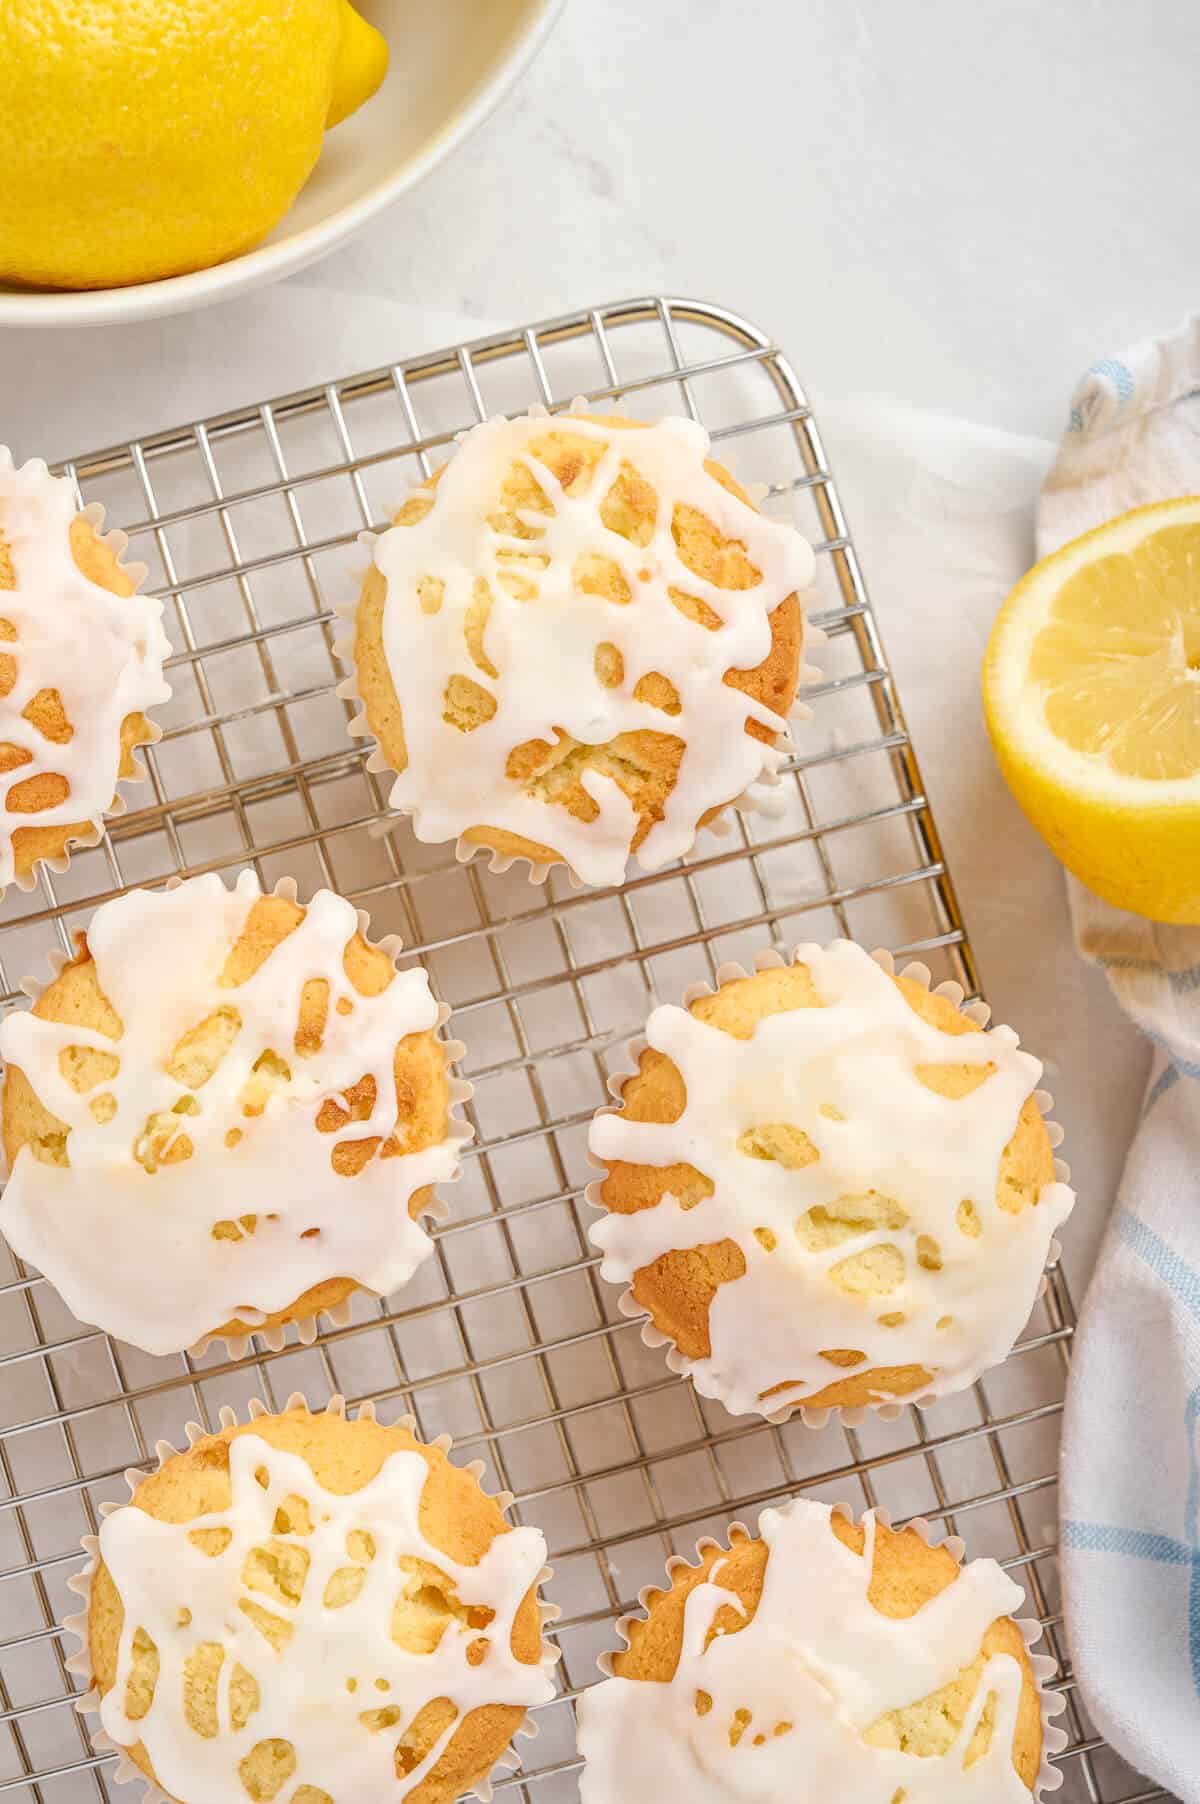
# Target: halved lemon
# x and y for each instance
(1091, 688)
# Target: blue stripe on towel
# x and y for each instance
(1107, 1537)
(1166, 1080)
(1191, 1527)
(1147, 1544)
(1119, 374)
(1185, 1067)
(1182, 983)
(1163, 1261)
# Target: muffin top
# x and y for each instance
(83, 657)
(222, 1101)
(822, 1660)
(827, 1187)
(580, 639)
(314, 1609)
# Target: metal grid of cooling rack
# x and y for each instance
(506, 1339)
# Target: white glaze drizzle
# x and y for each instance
(133, 1250)
(817, 1654)
(896, 1137)
(304, 1689)
(544, 649)
(102, 652)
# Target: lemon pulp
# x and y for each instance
(1092, 696)
(1119, 660)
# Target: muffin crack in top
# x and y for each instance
(227, 1110)
(580, 640)
(82, 659)
(826, 1189)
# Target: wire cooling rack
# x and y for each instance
(506, 1339)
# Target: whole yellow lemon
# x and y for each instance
(142, 138)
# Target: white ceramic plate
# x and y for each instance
(451, 61)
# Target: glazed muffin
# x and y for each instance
(827, 1187)
(822, 1660)
(578, 641)
(314, 1608)
(81, 662)
(226, 1112)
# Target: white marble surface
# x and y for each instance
(951, 208)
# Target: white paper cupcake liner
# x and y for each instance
(763, 796)
(79, 1663)
(1044, 1668)
(458, 1130)
(117, 542)
(888, 1410)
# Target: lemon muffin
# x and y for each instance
(827, 1187)
(578, 641)
(226, 1112)
(312, 1608)
(822, 1660)
(82, 661)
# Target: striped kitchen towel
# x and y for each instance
(1131, 1438)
